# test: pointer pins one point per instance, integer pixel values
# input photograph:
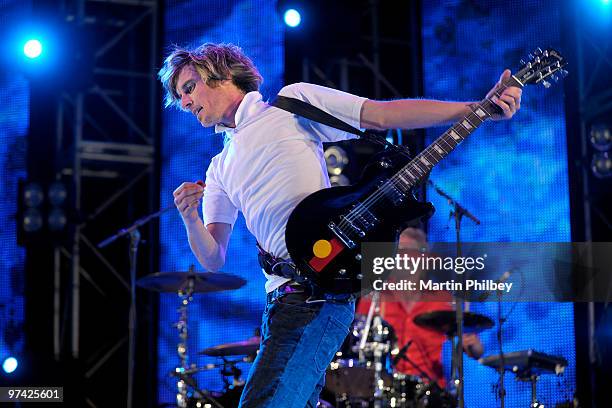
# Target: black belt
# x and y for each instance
(289, 288)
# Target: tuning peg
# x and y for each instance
(522, 61)
(538, 51)
(546, 84)
(563, 73)
(545, 53)
(531, 57)
(555, 78)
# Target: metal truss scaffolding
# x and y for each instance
(588, 91)
(376, 54)
(105, 152)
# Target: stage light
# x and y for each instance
(292, 18)
(601, 137)
(57, 193)
(601, 165)
(32, 220)
(339, 180)
(336, 159)
(10, 365)
(32, 48)
(57, 219)
(33, 195)
(42, 212)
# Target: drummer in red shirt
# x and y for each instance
(424, 354)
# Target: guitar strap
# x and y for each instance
(311, 112)
(308, 111)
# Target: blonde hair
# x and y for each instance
(214, 63)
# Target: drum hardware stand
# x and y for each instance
(134, 234)
(198, 393)
(185, 297)
(374, 308)
(502, 372)
(457, 212)
(500, 322)
(379, 349)
(184, 372)
(229, 369)
(374, 322)
(533, 378)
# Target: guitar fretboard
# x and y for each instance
(419, 167)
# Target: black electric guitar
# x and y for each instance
(325, 231)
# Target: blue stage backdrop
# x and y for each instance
(14, 113)
(512, 175)
(186, 152)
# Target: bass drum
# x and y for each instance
(404, 391)
(411, 392)
(346, 380)
(431, 395)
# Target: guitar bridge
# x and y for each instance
(349, 243)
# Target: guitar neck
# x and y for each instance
(419, 167)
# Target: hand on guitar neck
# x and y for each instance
(508, 98)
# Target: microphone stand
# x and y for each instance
(374, 321)
(457, 213)
(500, 321)
(134, 234)
(502, 360)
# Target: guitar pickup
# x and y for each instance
(349, 243)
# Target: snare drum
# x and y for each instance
(352, 379)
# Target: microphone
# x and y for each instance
(501, 279)
(401, 353)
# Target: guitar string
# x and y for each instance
(387, 187)
(391, 185)
(362, 207)
(413, 164)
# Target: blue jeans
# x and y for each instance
(298, 341)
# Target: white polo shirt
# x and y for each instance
(272, 160)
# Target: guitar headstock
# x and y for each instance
(542, 66)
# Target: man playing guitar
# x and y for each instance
(270, 162)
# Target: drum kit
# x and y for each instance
(362, 373)
(186, 285)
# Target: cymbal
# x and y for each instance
(202, 282)
(239, 348)
(444, 321)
